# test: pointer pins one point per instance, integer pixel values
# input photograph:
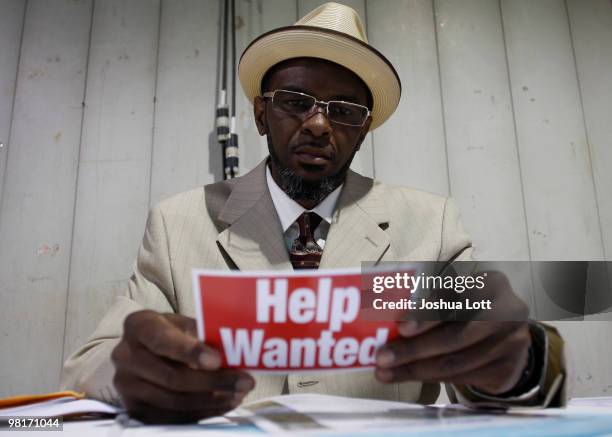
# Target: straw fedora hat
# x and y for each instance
(333, 32)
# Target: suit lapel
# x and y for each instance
(355, 234)
(254, 238)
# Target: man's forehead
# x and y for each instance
(317, 75)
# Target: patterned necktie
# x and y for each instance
(305, 253)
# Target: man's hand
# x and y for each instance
(164, 374)
(488, 355)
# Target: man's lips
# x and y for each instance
(312, 154)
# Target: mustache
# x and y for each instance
(314, 144)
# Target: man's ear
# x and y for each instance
(364, 131)
(259, 110)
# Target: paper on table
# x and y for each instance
(347, 416)
(311, 412)
(598, 402)
(15, 401)
(65, 406)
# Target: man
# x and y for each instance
(318, 88)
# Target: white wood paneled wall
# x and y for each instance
(112, 195)
(38, 194)
(107, 107)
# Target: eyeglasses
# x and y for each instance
(337, 111)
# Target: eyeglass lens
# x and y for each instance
(339, 112)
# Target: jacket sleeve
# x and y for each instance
(550, 391)
(546, 341)
(89, 369)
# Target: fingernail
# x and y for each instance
(384, 375)
(385, 358)
(244, 385)
(210, 361)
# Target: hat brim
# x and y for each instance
(310, 41)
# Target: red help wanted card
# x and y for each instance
(291, 321)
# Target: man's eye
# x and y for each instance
(297, 103)
(340, 110)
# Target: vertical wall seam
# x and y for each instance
(515, 126)
(219, 71)
(365, 9)
(260, 24)
(12, 116)
(76, 182)
(154, 115)
(518, 153)
(586, 130)
(442, 108)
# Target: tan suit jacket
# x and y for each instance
(233, 224)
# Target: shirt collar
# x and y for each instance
(289, 210)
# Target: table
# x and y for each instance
(583, 417)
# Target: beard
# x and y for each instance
(298, 188)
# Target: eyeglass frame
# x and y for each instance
(270, 95)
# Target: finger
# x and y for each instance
(140, 389)
(186, 324)
(445, 338)
(414, 327)
(139, 361)
(447, 367)
(162, 337)
(489, 378)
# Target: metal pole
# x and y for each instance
(222, 121)
(231, 147)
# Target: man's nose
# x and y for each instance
(316, 123)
